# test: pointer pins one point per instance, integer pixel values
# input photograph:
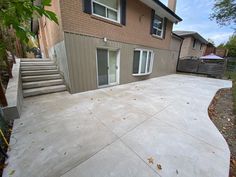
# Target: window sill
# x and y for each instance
(145, 74)
(158, 37)
(106, 20)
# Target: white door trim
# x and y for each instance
(117, 70)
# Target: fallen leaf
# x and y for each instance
(150, 160)
(159, 167)
(12, 172)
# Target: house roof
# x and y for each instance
(162, 10)
(191, 33)
(177, 36)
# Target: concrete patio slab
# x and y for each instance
(126, 163)
(114, 131)
(178, 153)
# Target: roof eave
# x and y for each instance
(162, 10)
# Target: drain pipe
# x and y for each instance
(180, 47)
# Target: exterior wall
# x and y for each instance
(136, 30)
(81, 53)
(49, 32)
(209, 49)
(187, 49)
(175, 44)
(51, 39)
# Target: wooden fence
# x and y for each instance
(212, 68)
(231, 64)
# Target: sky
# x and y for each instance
(195, 15)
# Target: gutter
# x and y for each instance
(168, 10)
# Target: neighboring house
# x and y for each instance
(209, 49)
(100, 43)
(221, 52)
(194, 45)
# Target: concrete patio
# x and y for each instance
(122, 131)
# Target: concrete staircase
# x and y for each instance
(40, 76)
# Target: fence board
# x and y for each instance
(211, 68)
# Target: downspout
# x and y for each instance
(179, 55)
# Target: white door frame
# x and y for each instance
(117, 64)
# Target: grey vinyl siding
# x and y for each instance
(81, 55)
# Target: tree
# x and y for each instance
(222, 46)
(211, 41)
(224, 12)
(231, 46)
(16, 15)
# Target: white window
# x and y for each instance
(158, 26)
(108, 9)
(142, 62)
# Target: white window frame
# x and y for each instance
(162, 30)
(106, 8)
(140, 62)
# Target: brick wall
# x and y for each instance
(49, 32)
(136, 31)
(187, 48)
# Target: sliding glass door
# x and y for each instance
(107, 64)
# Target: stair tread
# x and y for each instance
(37, 64)
(48, 75)
(39, 72)
(34, 60)
(35, 71)
(34, 68)
(44, 88)
(41, 82)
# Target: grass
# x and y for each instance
(232, 75)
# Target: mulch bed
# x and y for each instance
(222, 114)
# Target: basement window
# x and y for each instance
(142, 62)
(108, 9)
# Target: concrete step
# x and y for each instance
(40, 78)
(35, 60)
(39, 72)
(33, 68)
(43, 90)
(37, 84)
(37, 63)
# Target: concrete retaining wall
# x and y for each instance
(14, 94)
(58, 54)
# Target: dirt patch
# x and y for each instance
(222, 114)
